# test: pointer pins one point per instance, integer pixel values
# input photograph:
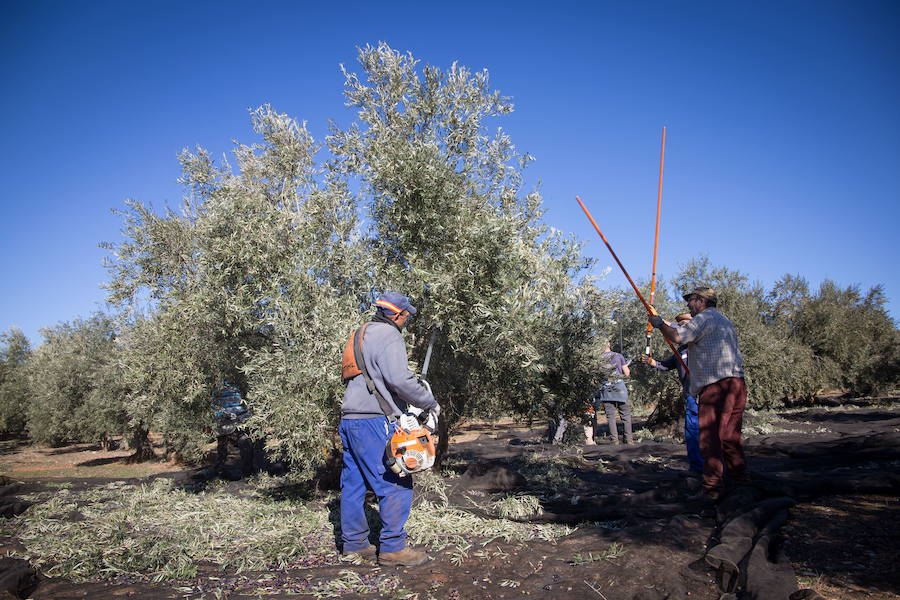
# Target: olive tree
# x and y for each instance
(255, 281)
(852, 332)
(15, 350)
(269, 265)
(453, 228)
(75, 384)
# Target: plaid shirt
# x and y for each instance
(713, 352)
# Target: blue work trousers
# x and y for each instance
(692, 434)
(364, 441)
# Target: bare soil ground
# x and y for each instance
(832, 472)
(22, 462)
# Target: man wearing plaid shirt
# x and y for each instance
(717, 381)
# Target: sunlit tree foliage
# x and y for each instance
(77, 392)
(268, 266)
(853, 333)
(452, 227)
(15, 350)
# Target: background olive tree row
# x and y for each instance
(796, 343)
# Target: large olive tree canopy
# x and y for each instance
(271, 263)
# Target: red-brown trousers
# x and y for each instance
(721, 415)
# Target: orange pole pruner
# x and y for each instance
(662, 156)
(650, 310)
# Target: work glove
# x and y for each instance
(657, 321)
(432, 420)
(409, 421)
(647, 360)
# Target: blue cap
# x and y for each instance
(394, 302)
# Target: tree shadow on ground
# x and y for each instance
(847, 540)
(823, 416)
(75, 448)
(12, 446)
(98, 462)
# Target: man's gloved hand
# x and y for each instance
(657, 321)
(432, 421)
(409, 421)
(647, 360)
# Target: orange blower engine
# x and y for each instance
(411, 448)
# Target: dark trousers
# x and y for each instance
(624, 410)
(250, 452)
(721, 415)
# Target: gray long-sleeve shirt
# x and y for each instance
(385, 355)
(713, 352)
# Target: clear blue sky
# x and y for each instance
(782, 121)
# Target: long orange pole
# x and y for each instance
(662, 158)
(650, 310)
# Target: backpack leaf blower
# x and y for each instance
(411, 447)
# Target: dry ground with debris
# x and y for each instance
(20, 461)
(511, 517)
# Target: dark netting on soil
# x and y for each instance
(10, 505)
(802, 469)
(18, 579)
(650, 494)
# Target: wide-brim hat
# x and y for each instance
(394, 303)
(703, 292)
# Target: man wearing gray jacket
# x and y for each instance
(367, 422)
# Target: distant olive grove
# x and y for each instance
(796, 342)
(270, 262)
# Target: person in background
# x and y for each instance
(613, 398)
(717, 381)
(230, 412)
(691, 419)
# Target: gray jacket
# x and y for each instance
(385, 354)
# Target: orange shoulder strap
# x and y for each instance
(349, 367)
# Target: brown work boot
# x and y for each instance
(404, 558)
(364, 553)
